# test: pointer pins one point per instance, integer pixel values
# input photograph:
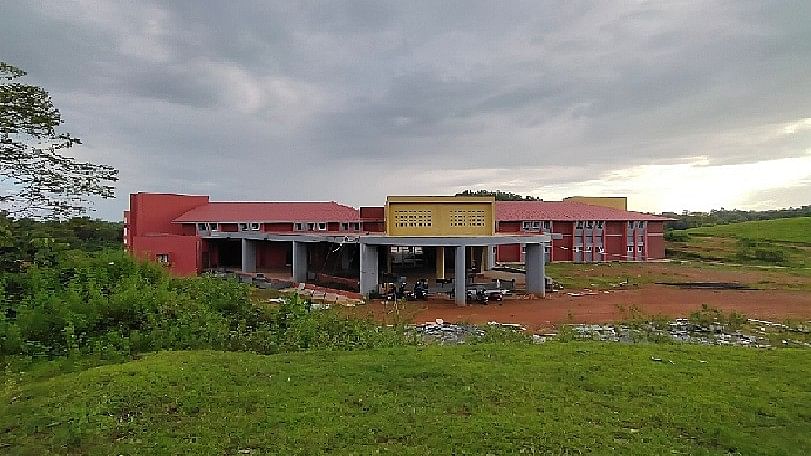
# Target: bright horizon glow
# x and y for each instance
(696, 186)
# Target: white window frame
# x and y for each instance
(640, 248)
(631, 225)
(590, 224)
(578, 248)
(254, 226)
(202, 227)
(321, 226)
(579, 225)
(588, 249)
(162, 258)
(630, 249)
(640, 224)
(599, 224)
(243, 226)
(214, 226)
(547, 225)
(350, 226)
(299, 226)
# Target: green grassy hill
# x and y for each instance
(779, 242)
(551, 399)
(796, 229)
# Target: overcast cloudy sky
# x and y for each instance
(696, 104)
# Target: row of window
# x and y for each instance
(255, 226)
(208, 226)
(536, 225)
(589, 224)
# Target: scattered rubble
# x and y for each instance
(683, 330)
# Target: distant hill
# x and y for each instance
(795, 230)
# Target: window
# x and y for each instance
(214, 226)
(243, 227)
(630, 225)
(202, 227)
(580, 224)
(589, 224)
(630, 249)
(600, 249)
(162, 258)
(298, 226)
(640, 248)
(640, 224)
(547, 225)
(125, 231)
(600, 224)
(322, 226)
(531, 225)
(254, 226)
(547, 250)
(352, 226)
(523, 250)
(578, 248)
(588, 249)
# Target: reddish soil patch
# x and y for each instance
(559, 308)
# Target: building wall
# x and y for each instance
(440, 216)
(615, 247)
(150, 231)
(183, 251)
(152, 213)
(656, 241)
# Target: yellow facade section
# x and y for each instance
(440, 216)
(614, 202)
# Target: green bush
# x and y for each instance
(109, 304)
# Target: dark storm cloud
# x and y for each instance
(305, 100)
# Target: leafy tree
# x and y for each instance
(499, 195)
(35, 178)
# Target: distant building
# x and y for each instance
(191, 234)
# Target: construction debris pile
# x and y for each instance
(446, 333)
(758, 334)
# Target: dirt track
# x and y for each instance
(652, 300)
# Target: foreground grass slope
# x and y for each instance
(557, 398)
(796, 229)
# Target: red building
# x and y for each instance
(191, 233)
(590, 233)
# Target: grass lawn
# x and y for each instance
(796, 230)
(556, 398)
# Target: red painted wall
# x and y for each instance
(152, 213)
(508, 253)
(184, 251)
(615, 244)
(509, 227)
(655, 241)
(272, 254)
(277, 227)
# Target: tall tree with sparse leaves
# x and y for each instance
(36, 179)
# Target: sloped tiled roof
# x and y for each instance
(564, 211)
(328, 211)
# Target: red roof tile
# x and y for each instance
(564, 210)
(270, 212)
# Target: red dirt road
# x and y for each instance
(602, 308)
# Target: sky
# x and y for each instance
(677, 105)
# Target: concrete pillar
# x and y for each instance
(440, 262)
(248, 255)
(299, 261)
(536, 274)
(491, 257)
(368, 268)
(459, 276)
(345, 256)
